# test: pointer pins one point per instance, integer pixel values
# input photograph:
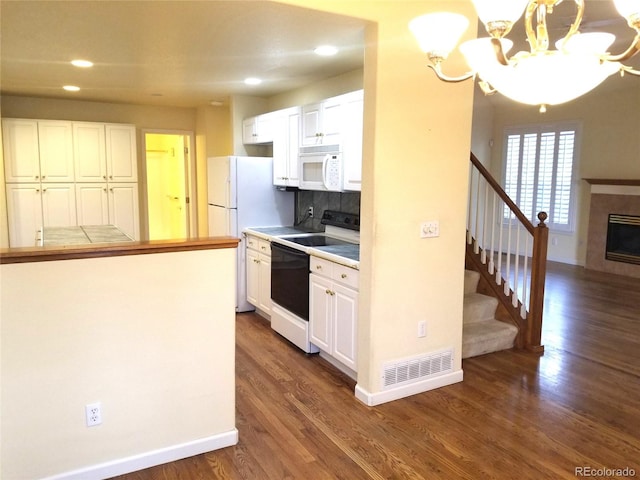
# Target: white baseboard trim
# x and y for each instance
(373, 399)
(151, 459)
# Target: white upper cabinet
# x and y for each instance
(286, 140)
(352, 109)
(322, 122)
(122, 165)
(37, 150)
(258, 129)
(55, 139)
(338, 121)
(21, 152)
(90, 153)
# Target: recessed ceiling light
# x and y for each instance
(252, 81)
(82, 63)
(71, 88)
(326, 50)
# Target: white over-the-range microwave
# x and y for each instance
(321, 168)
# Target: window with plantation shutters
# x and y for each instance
(538, 171)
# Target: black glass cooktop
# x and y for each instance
(316, 241)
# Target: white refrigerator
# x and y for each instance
(240, 194)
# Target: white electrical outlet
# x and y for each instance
(422, 328)
(310, 212)
(94, 414)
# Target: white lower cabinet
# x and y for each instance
(31, 206)
(259, 273)
(333, 310)
(109, 204)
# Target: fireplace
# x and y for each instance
(613, 240)
(623, 238)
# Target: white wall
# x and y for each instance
(151, 337)
(610, 148)
(415, 163)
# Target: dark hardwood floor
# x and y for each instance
(515, 415)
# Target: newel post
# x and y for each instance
(538, 275)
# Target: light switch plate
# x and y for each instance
(430, 229)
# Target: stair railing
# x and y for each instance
(512, 250)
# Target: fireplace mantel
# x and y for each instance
(612, 181)
(614, 186)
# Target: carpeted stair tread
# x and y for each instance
(478, 308)
(471, 279)
(489, 336)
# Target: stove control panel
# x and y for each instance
(350, 221)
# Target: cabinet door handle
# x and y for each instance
(344, 275)
(318, 267)
(37, 177)
(263, 247)
(104, 176)
(44, 190)
(111, 177)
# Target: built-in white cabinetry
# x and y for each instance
(61, 173)
(322, 122)
(334, 121)
(258, 261)
(33, 205)
(258, 129)
(122, 165)
(286, 141)
(109, 204)
(90, 152)
(37, 150)
(352, 112)
(333, 310)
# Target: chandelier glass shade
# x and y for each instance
(542, 76)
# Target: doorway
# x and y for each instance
(169, 183)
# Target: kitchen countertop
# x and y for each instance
(59, 236)
(347, 255)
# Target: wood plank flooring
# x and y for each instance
(515, 415)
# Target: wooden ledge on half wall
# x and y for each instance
(45, 254)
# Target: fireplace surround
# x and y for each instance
(612, 197)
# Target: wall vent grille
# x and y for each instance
(415, 369)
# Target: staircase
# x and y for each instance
(481, 332)
(505, 257)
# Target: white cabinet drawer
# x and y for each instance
(259, 245)
(264, 247)
(339, 273)
(345, 275)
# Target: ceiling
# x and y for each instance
(189, 53)
(179, 53)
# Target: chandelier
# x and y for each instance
(541, 76)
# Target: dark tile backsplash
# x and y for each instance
(320, 201)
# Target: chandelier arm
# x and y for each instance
(576, 23)
(438, 71)
(626, 55)
(528, 23)
(497, 48)
(630, 70)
